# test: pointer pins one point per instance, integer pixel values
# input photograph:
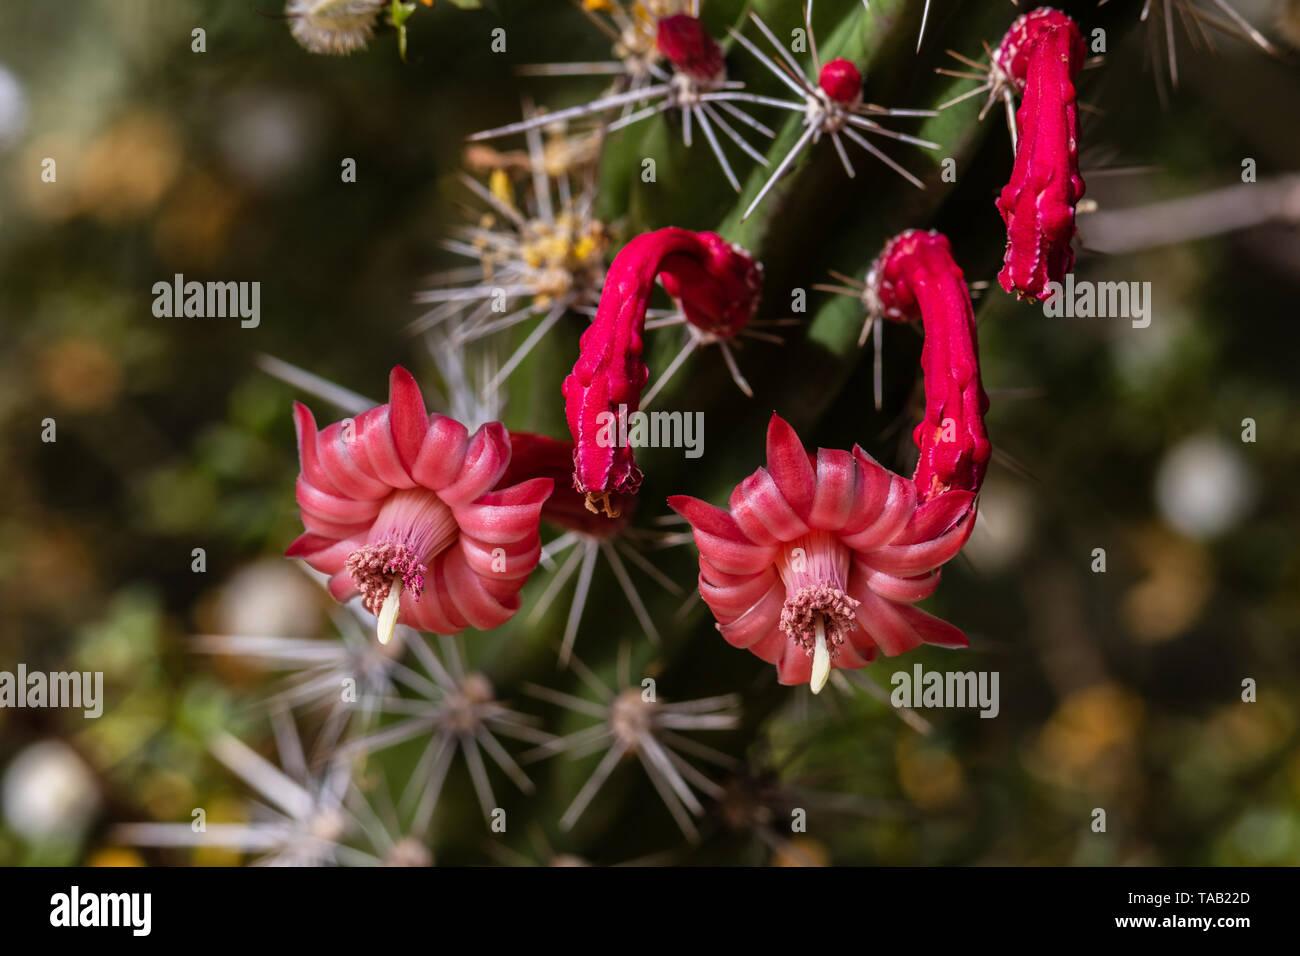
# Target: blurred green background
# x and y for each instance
(1120, 690)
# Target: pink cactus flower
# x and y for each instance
(819, 559)
(403, 508)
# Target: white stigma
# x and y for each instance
(388, 613)
(821, 668)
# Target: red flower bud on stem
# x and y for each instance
(915, 277)
(717, 286)
(1040, 56)
(685, 43)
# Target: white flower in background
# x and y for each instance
(49, 793)
(1203, 487)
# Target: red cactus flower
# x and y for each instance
(404, 508)
(819, 559)
(717, 285)
(1041, 55)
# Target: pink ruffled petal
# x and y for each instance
(720, 539)
(731, 595)
(795, 666)
(851, 656)
(758, 622)
(870, 492)
(937, 516)
(789, 466)
(763, 512)
(441, 614)
(349, 472)
(771, 647)
(326, 555)
(837, 486)
(901, 590)
(345, 511)
(375, 442)
(467, 592)
(908, 560)
(342, 588)
(486, 460)
(508, 515)
(442, 453)
(893, 517)
(407, 418)
(862, 645)
(427, 614)
(882, 619)
(333, 529)
(305, 426)
(491, 560)
(934, 630)
(897, 628)
(309, 543)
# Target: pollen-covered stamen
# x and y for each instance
(818, 612)
(413, 527)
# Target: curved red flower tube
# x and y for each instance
(1040, 56)
(717, 286)
(819, 558)
(405, 508)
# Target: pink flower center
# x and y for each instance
(814, 570)
(412, 528)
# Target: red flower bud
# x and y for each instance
(841, 81)
(717, 286)
(915, 277)
(1040, 56)
(683, 40)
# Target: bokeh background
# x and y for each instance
(1120, 690)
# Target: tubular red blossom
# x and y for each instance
(819, 558)
(1041, 55)
(685, 43)
(717, 286)
(408, 510)
(915, 277)
(841, 81)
